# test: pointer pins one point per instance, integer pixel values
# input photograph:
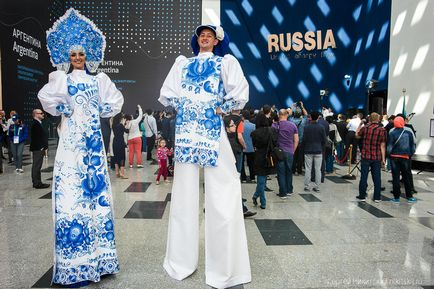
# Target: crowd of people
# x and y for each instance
(310, 143)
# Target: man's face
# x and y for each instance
(232, 127)
(207, 40)
(39, 114)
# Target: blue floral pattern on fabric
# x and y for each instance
(73, 238)
(65, 109)
(198, 127)
(84, 230)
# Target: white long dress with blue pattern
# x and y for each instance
(85, 245)
(196, 87)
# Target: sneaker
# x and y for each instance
(166, 181)
(316, 190)
(360, 199)
(395, 200)
(377, 201)
(249, 214)
(157, 182)
(255, 201)
(267, 189)
(20, 171)
(411, 200)
(283, 197)
(140, 166)
(306, 189)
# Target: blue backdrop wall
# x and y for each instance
(361, 33)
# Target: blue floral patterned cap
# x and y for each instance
(222, 46)
(75, 31)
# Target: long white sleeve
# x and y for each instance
(55, 93)
(138, 118)
(235, 84)
(170, 90)
(112, 99)
(134, 126)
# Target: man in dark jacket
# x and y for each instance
(314, 139)
(38, 145)
(236, 138)
(400, 148)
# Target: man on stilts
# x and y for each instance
(200, 89)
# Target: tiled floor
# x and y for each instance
(310, 240)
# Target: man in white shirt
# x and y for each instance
(200, 89)
(150, 125)
(350, 138)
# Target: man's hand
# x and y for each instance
(218, 111)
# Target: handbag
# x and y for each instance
(278, 152)
(270, 157)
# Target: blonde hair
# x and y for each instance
(374, 117)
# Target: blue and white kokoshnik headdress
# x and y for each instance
(75, 32)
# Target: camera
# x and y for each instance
(324, 92)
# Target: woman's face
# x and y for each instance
(77, 58)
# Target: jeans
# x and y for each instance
(329, 163)
(17, 151)
(340, 150)
(375, 167)
(261, 182)
(317, 161)
(239, 161)
(144, 144)
(403, 167)
(284, 175)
